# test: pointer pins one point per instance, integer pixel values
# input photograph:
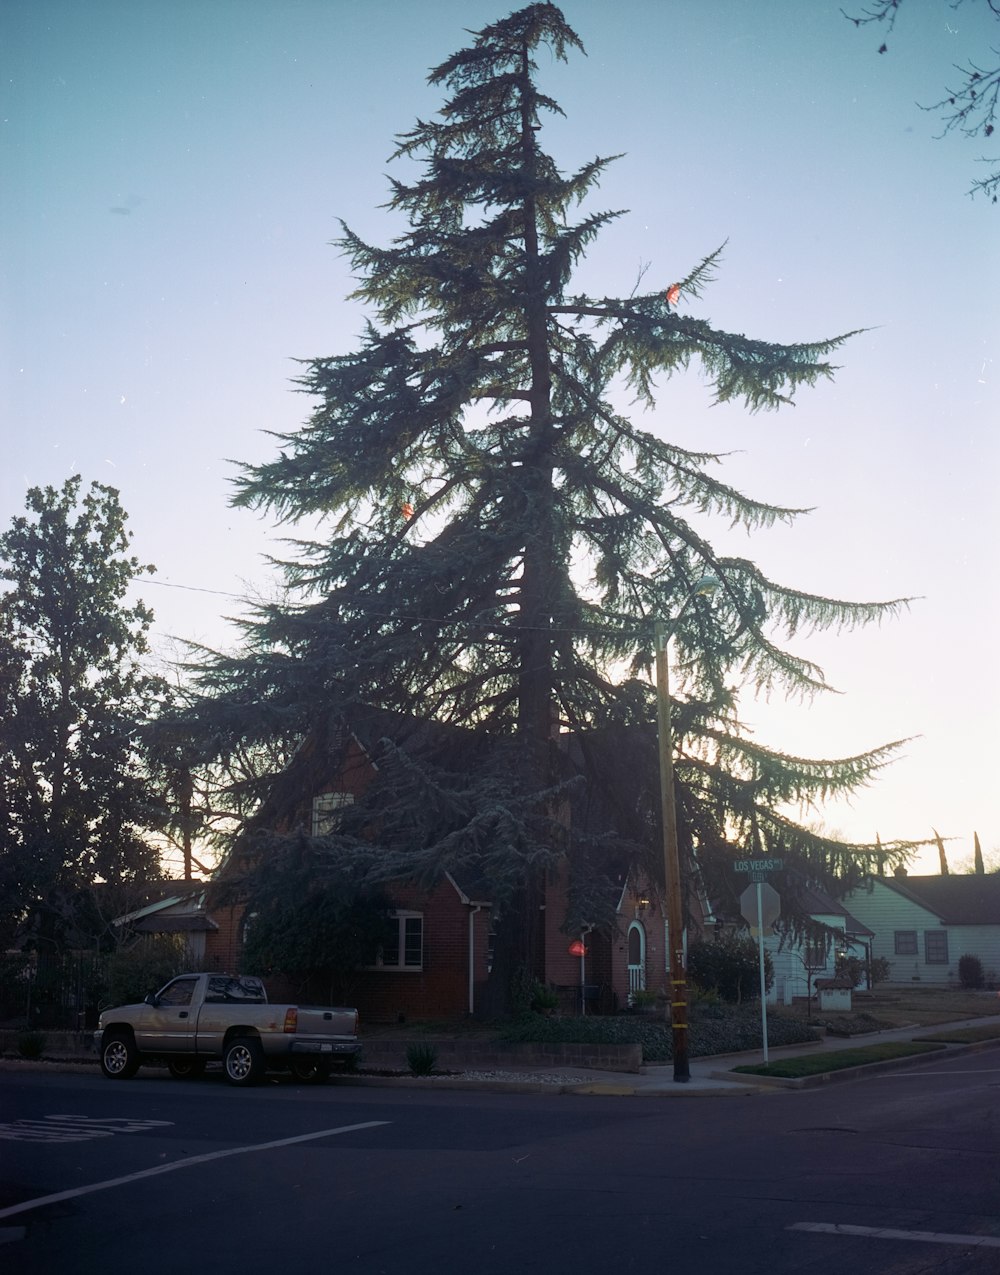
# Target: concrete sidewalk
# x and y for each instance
(715, 1075)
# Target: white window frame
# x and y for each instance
(326, 808)
(401, 966)
(906, 943)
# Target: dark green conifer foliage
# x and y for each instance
(549, 529)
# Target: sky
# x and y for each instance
(174, 172)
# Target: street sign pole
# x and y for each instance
(760, 902)
(763, 980)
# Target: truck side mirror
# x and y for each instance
(150, 999)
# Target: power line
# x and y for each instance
(191, 588)
(435, 621)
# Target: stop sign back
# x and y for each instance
(770, 905)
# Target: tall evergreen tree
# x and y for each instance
(942, 857)
(495, 537)
(73, 698)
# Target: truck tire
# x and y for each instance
(243, 1061)
(186, 1068)
(119, 1057)
(311, 1071)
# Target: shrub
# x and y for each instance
(850, 967)
(544, 997)
(880, 970)
(31, 1044)
(134, 971)
(970, 972)
(715, 1029)
(522, 990)
(421, 1059)
(703, 999)
(729, 964)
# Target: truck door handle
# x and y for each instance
(183, 1014)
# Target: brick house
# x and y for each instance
(439, 962)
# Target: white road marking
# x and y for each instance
(886, 1233)
(73, 1128)
(42, 1200)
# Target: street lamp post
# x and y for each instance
(671, 857)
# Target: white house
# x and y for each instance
(924, 925)
(796, 962)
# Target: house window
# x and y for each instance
(906, 942)
(326, 810)
(817, 954)
(936, 947)
(404, 949)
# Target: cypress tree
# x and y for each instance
(490, 537)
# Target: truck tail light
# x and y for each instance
(291, 1020)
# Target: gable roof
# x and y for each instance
(180, 911)
(815, 900)
(957, 900)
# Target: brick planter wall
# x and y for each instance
(456, 1055)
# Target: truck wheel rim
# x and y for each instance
(115, 1056)
(239, 1062)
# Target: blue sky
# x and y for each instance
(173, 174)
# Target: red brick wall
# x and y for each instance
(441, 988)
(224, 947)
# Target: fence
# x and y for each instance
(60, 990)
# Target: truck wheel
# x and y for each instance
(311, 1071)
(119, 1056)
(186, 1068)
(243, 1061)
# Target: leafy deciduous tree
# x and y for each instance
(971, 107)
(73, 698)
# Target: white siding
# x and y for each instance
(791, 978)
(886, 912)
(976, 940)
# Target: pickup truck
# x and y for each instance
(198, 1018)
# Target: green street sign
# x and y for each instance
(759, 869)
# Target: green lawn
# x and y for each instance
(816, 1064)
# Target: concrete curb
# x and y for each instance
(844, 1074)
(717, 1083)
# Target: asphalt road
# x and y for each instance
(893, 1175)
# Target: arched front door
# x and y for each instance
(636, 960)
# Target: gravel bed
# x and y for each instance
(535, 1077)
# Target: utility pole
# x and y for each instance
(671, 855)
